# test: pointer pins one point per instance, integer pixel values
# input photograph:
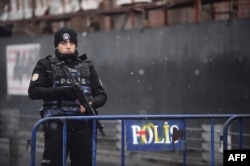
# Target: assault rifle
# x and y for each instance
(81, 96)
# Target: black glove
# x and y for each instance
(66, 92)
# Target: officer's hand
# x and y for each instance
(82, 109)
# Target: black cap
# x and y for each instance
(65, 33)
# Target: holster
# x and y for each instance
(41, 111)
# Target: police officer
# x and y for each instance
(50, 84)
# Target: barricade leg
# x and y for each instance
(94, 139)
(64, 157)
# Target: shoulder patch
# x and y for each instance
(35, 76)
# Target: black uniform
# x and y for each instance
(51, 85)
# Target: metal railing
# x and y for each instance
(185, 117)
(240, 132)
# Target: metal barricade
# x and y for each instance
(185, 117)
(240, 133)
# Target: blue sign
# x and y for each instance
(145, 135)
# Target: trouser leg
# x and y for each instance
(52, 155)
(80, 145)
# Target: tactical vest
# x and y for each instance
(63, 106)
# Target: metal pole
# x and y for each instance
(64, 157)
(185, 144)
(240, 143)
(122, 142)
(94, 139)
(212, 142)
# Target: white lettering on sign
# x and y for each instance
(149, 133)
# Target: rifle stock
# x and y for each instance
(81, 96)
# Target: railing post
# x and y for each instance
(212, 142)
(122, 142)
(225, 132)
(64, 157)
(225, 129)
(33, 142)
(185, 146)
(240, 134)
(94, 137)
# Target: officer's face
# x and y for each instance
(66, 47)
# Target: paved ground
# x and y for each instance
(21, 158)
